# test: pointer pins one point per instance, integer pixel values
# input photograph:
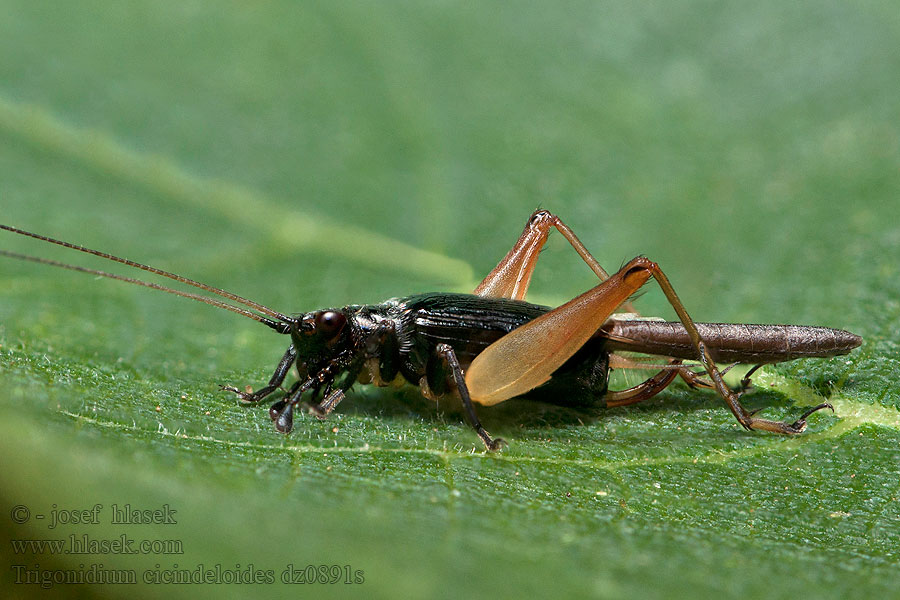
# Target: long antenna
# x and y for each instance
(281, 326)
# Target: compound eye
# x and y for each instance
(329, 323)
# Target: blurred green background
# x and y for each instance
(316, 154)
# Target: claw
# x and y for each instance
(276, 409)
(794, 428)
(243, 397)
(800, 424)
(497, 444)
(491, 444)
(815, 409)
(228, 388)
(284, 420)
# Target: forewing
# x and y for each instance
(526, 357)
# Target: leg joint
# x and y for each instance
(541, 215)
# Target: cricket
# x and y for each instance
(491, 345)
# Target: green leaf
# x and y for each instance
(322, 154)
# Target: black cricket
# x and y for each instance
(492, 345)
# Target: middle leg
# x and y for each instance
(446, 353)
(275, 381)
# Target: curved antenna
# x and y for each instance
(278, 326)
